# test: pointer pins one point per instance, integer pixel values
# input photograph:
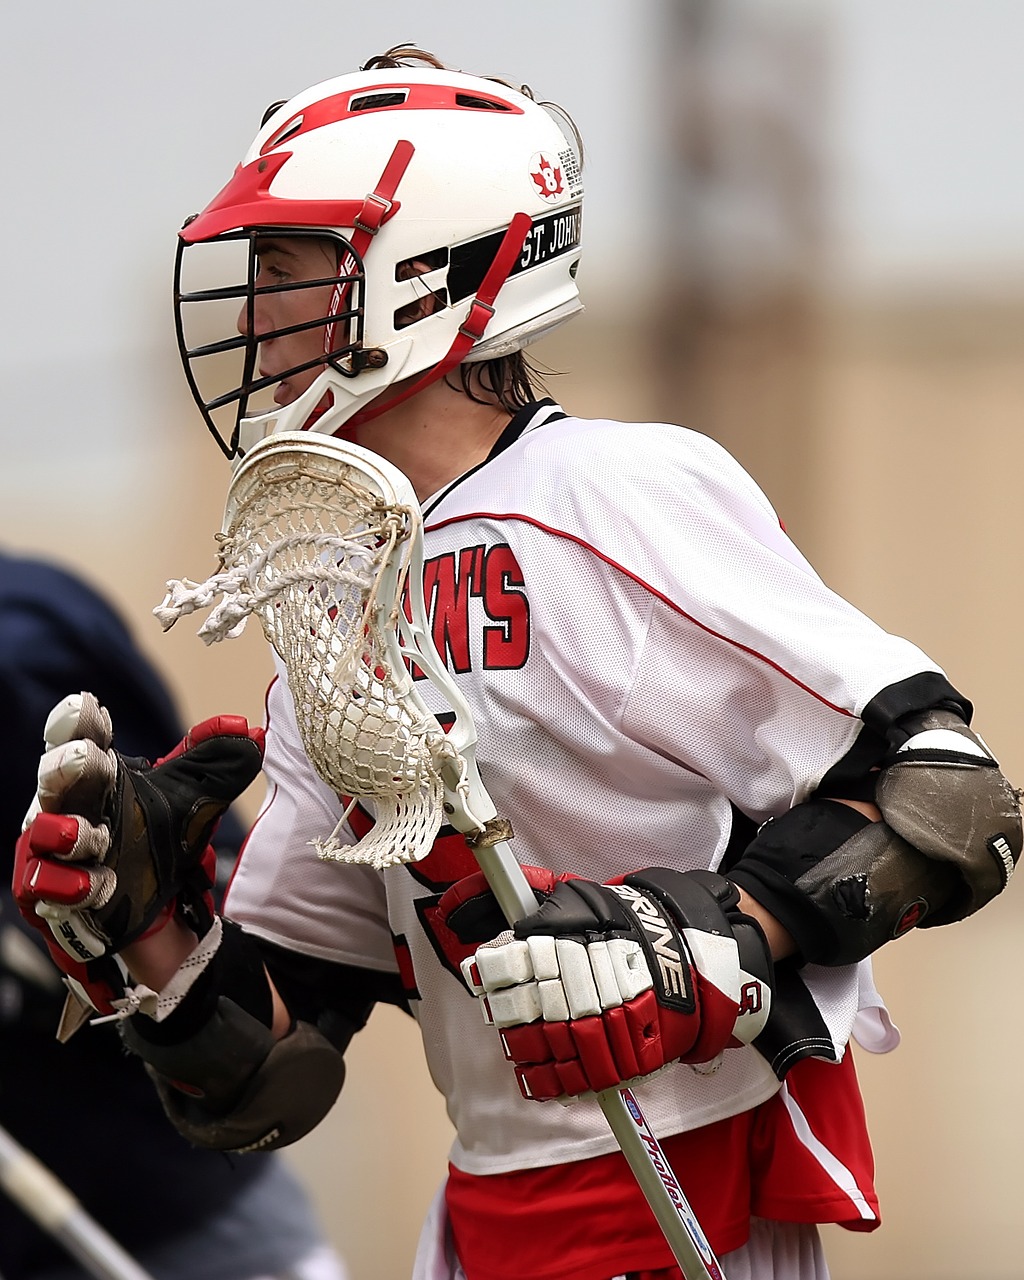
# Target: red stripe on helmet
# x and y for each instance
(419, 97)
(246, 202)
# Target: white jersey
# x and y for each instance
(646, 655)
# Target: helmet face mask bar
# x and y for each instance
(452, 206)
(238, 396)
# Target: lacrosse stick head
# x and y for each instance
(319, 539)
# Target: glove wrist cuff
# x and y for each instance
(159, 1005)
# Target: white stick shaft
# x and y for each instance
(49, 1203)
(634, 1135)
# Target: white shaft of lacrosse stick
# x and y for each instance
(48, 1202)
(634, 1135)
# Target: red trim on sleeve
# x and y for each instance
(581, 542)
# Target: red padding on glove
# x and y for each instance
(53, 835)
(599, 1052)
(215, 727)
(35, 877)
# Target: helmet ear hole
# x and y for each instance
(430, 300)
(432, 260)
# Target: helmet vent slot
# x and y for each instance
(290, 129)
(372, 101)
(480, 104)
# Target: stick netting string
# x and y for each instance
(318, 558)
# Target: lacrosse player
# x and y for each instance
(727, 785)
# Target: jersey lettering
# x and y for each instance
(448, 583)
(507, 646)
(491, 575)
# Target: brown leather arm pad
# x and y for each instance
(232, 1087)
(944, 794)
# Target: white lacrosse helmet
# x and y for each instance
(472, 180)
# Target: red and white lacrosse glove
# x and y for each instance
(607, 983)
(112, 847)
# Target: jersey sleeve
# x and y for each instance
(746, 667)
(282, 891)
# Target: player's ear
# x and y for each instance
(424, 305)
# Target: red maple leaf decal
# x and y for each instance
(548, 179)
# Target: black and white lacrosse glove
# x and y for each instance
(606, 983)
(112, 846)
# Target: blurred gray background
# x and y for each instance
(804, 236)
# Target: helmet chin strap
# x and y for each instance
(379, 205)
(470, 331)
(326, 400)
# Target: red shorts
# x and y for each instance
(802, 1156)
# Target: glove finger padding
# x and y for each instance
(101, 879)
(79, 715)
(605, 983)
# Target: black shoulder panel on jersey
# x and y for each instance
(853, 777)
(918, 693)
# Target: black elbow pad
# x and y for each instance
(841, 884)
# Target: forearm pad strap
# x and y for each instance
(232, 1087)
(840, 884)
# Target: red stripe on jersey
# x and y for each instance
(813, 1155)
(581, 542)
(588, 1220)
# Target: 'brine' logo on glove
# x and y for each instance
(660, 940)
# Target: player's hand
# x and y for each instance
(607, 983)
(470, 911)
(112, 846)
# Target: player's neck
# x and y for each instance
(435, 436)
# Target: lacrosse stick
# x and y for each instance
(323, 540)
(48, 1202)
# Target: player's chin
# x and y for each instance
(288, 390)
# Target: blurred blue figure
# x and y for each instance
(85, 1108)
